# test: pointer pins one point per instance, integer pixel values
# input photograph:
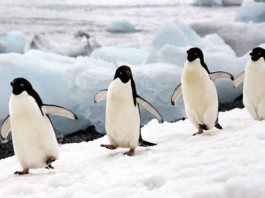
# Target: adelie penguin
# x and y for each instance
(122, 120)
(34, 140)
(199, 91)
(254, 80)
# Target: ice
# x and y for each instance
(121, 26)
(47, 74)
(79, 46)
(228, 163)
(178, 34)
(75, 81)
(238, 35)
(251, 11)
(12, 42)
(208, 2)
(217, 2)
(122, 54)
(232, 2)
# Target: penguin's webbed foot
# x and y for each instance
(109, 146)
(200, 131)
(24, 172)
(130, 152)
(49, 167)
(50, 160)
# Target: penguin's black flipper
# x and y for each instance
(144, 143)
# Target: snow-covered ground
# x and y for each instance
(224, 164)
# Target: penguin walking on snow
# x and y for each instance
(122, 120)
(254, 79)
(199, 92)
(34, 140)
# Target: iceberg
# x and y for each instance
(12, 42)
(251, 11)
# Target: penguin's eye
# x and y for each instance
(21, 84)
(120, 73)
(195, 54)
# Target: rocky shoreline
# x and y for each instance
(90, 133)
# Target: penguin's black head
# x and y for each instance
(19, 85)
(194, 53)
(124, 73)
(257, 53)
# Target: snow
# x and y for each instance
(121, 25)
(227, 163)
(251, 11)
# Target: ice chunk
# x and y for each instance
(120, 55)
(208, 2)
(175, 37)
(175, 33)
(12, 42)
(232, 2)
(121, 26)
(80, 46)
(251, 11)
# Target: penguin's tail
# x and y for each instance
(144, 143)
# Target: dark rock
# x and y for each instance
(86, 135)
(6, 150)
(237, 103)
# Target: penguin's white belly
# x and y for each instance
(253, 91)
(122, 120)
(33, 136)
(200, 97)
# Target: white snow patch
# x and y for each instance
(219, 163)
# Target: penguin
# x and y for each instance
(199, 92)
(122, 116)
(34, 140)
(254, 77)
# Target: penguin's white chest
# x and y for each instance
(253, 91)
(199, 93)
(32, 133)
(122, 115)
